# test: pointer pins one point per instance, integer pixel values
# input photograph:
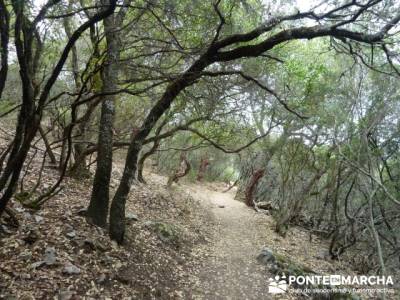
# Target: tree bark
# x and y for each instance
(143, 159)
(117, 210)
(204, 162)
(4, 39)
(99, 202)
(79, 169)
(257, 175)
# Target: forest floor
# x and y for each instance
(190, 241)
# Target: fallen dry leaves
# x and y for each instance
(56, 254)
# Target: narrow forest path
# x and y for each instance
(231, 270)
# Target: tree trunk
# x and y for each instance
(257, 175)
(117, 212)
(98, 207)
(143, 159)
(202, 168)
(79, 169)
(4, 39)
(27, 123)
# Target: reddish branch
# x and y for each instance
(182, 171)
(257, 175)
(202, 168)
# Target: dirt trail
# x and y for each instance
(225, 267)
(231, 270)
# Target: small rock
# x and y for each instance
(68, 227)
(266, 256)
(322, 254)
(221, 206)
(38, 218)
(131, 217)
(264, 205)
(71, 234)
(19, 209)
(27, 215)
(107, 259)
(102, 279)
(25, 276)
(50, 256)
(71, 269)
(148, 223)
(37, 264)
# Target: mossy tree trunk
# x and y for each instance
(99, 202)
